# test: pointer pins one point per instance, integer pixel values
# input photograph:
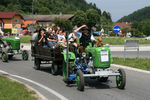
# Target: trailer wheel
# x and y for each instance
(4, 57)
(54, 69)
(25, 55)
(121, 79)
(80, 80)
(37, 63)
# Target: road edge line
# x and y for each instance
(130, 68)
(61, 97)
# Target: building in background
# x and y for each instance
(46, 20)
(123, 24)
(11, 20)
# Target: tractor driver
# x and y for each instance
(85, 37)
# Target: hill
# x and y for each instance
(139, 15)
(46, 6)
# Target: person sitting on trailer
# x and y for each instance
(85, 37)
(51, 38)
(72, 39)
(61, 39)
(35, 35)
(42, 38)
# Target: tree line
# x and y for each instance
(84, 13)
(139, 15)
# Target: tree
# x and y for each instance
(79, 18)
(2, 8)
(63, 23)
(44, 10)
(146, 27)
(92, 17)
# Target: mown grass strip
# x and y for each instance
(140, 63)
(121, 40)
(11, 90)
(25, 39)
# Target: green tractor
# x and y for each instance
(10, 47)
(95, 63)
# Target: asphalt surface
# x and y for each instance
(137, 86)
(131, 54)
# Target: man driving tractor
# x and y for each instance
(85, 37)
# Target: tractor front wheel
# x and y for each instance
(4, 57)
(25, 55)
(80, 80)
(121, 79)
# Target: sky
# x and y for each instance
(120, 8)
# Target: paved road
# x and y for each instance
(137, 87)
(131, 54)
(118, 51)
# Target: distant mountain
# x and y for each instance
(139, 15)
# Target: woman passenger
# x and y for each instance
(42, 38)
(51, 38)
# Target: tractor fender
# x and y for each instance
(71, 55)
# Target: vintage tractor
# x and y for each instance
(94, 63)
(10, 47)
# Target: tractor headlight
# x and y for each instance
(22, 46)
(2, 46)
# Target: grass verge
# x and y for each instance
(11, 90)
(140, 63)
(106, 40)
(25, 39)
(121, 40)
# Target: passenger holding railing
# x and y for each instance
(51, 38)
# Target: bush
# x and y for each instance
(7, 30)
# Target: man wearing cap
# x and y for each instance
(85, 37)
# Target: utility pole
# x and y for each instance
(32, 16)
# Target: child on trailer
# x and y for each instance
(61, 39)
(72, 39)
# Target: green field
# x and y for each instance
(105, 40)
(11, 90)
(140, 63)
(120, 40)
(25, 39)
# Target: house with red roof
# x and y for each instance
(11, 20)
(123, 24)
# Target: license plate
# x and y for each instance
(104, 56)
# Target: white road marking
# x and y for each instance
(61, 97)
(130, 68)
